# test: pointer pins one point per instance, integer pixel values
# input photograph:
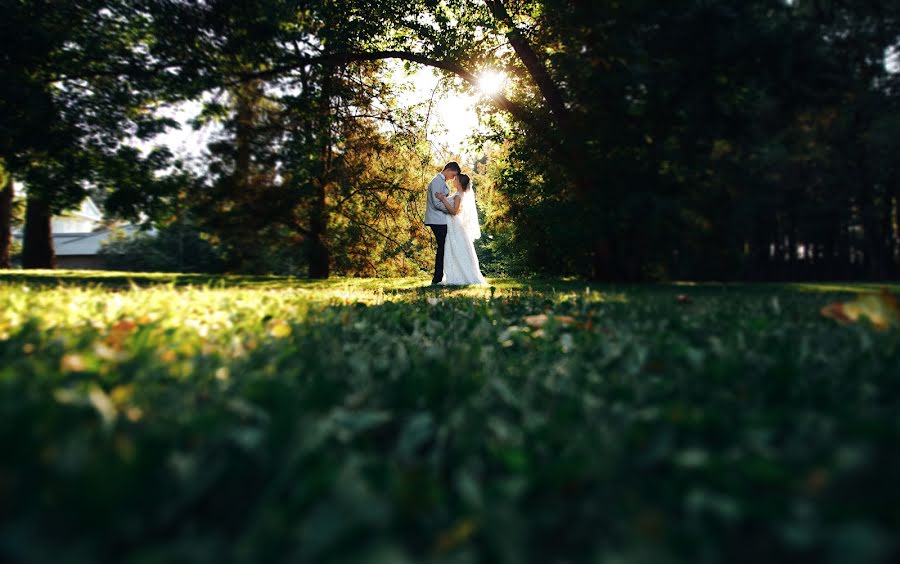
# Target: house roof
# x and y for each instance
(87, 210)
(68, 244)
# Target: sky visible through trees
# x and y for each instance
(450, 129)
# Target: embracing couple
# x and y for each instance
(454, 221)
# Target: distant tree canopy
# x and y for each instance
(727, 139)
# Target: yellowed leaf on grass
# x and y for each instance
(72, 363)
(836, 312)
(541, 319)
(457, 535)
(124, 326)
(120, 395)
(119, 332)
(103, 404)
(881, 310)
(536, 320)
(279, 328)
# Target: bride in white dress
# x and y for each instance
(460, 261)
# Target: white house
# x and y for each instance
(85, 219)
(79, 234)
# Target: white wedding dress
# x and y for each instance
(460, 261)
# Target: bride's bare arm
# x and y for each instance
(452, 208)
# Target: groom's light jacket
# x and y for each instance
(435, 210)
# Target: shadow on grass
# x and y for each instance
(117, 280)
(123, 280)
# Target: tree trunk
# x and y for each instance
(317, 253)
(246, 100)
(792, 242)
(873, 263)
(885, 240)
(6, 201)
(37, 251)
(762, 241)
(895, 232)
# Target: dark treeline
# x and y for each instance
(704, 139)
(716, 140)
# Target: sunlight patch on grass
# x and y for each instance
(842, 287)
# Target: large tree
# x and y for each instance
(77, 84)
(7, 194)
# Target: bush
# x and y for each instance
(176, 248)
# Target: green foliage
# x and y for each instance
(724, 140)
(379, 420)
(732, 139)
(305, 179)
(175, 248)
(15, 252)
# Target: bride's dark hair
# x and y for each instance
(464, 181)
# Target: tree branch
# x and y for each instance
(396, 243)
(516, 110)
(549, 90)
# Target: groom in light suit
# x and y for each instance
(436, 215)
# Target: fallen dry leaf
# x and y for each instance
(880, 309)
(539, 320)
(72, 363)
(119, 332)
(279, 328)
(456, 536)
(836, 312)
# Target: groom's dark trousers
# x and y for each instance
(440, 234)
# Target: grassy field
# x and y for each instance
(157, 418)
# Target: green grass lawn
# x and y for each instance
(159, 418)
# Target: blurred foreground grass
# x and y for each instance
(162, 418)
